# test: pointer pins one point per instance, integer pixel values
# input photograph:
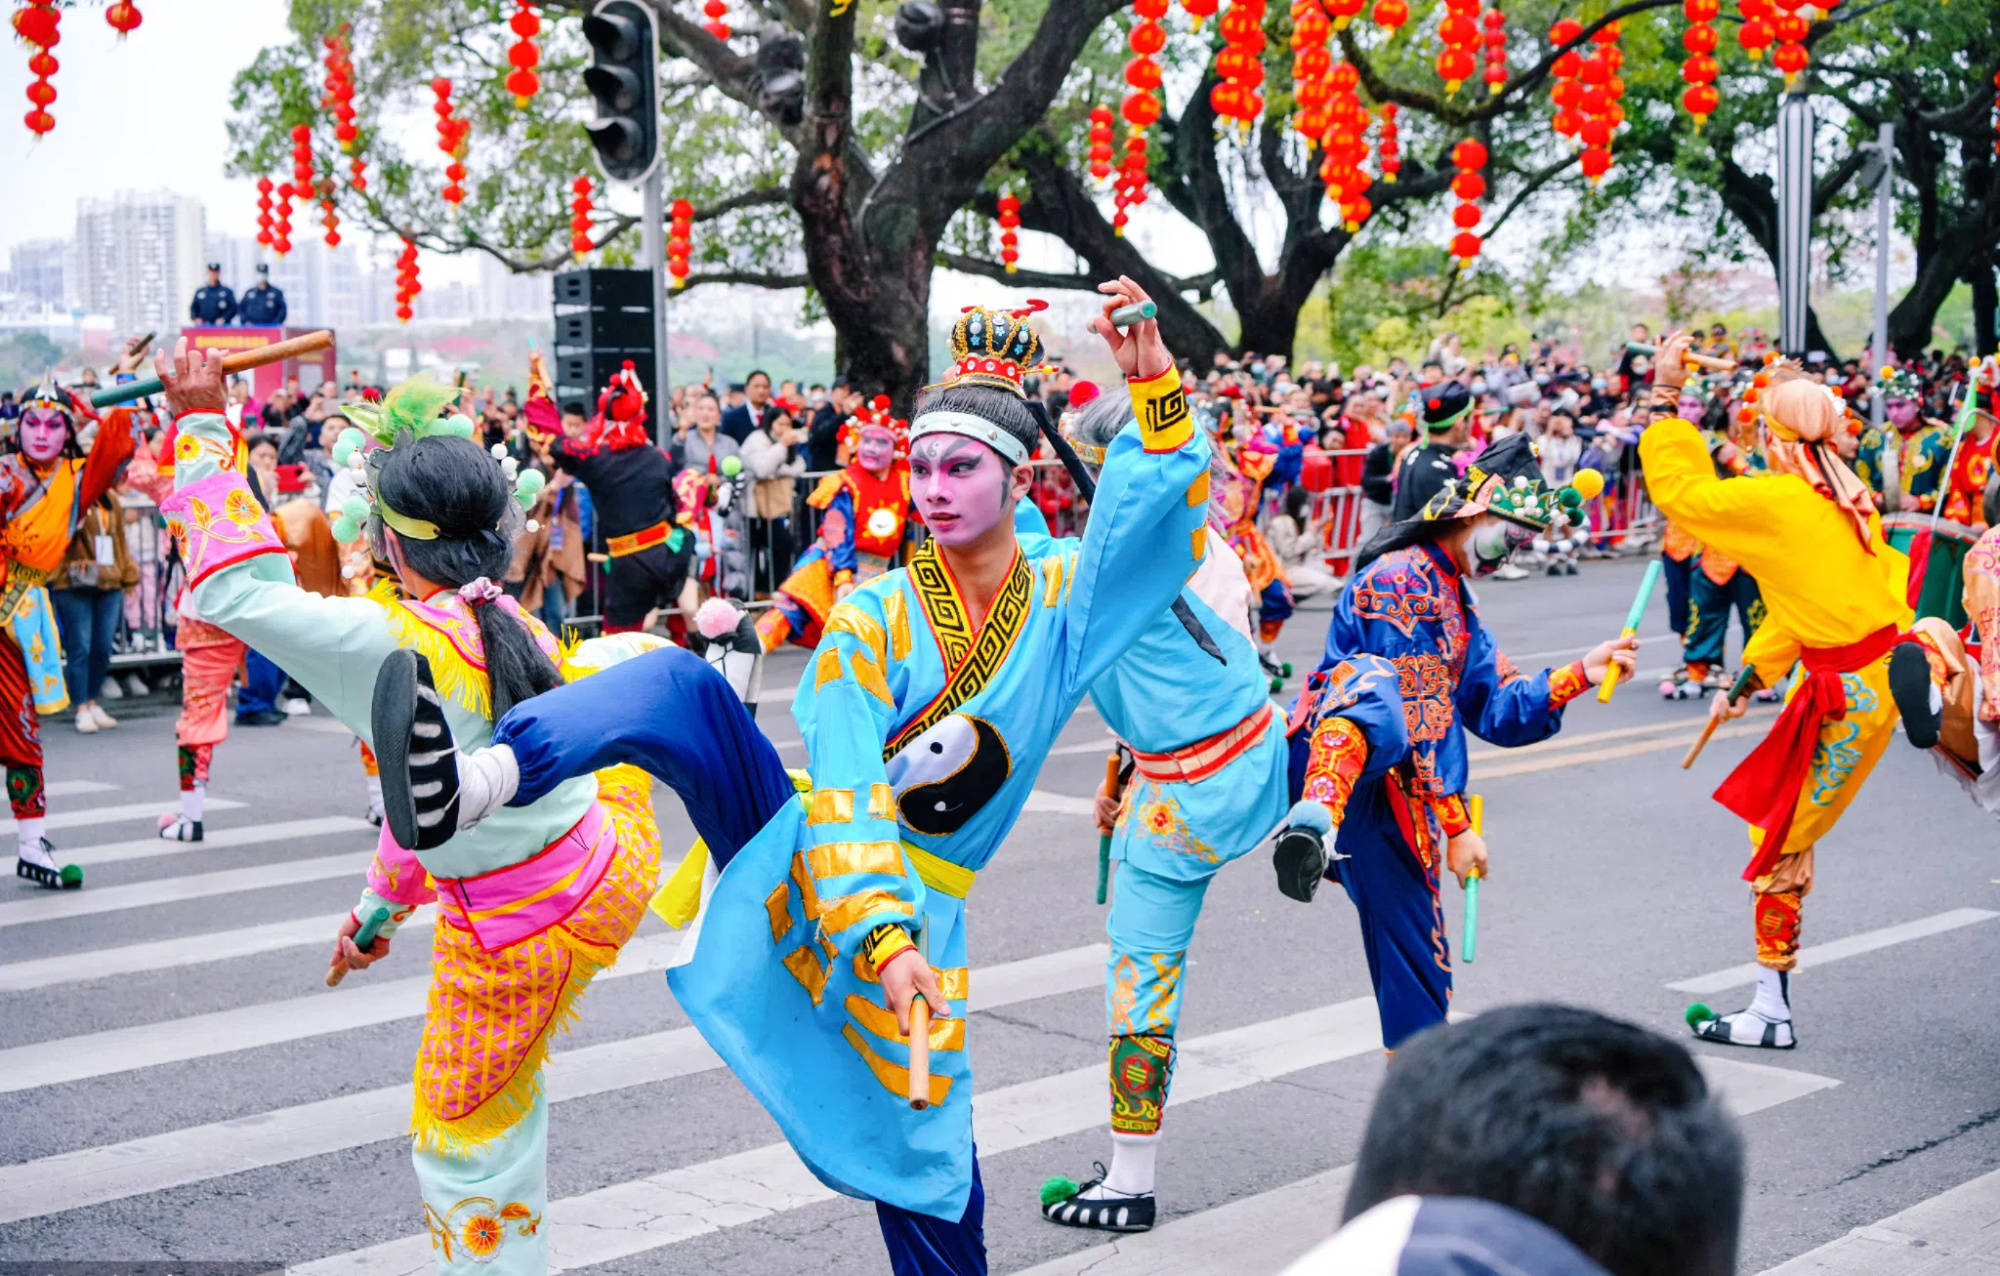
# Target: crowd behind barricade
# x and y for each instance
(1324, 457)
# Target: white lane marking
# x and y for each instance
(1043, 802)
(653, 1212)
(145, 848)
(355, 1005)
(1577, 653)
(1263, 1233)
(1563, 740)
(1837, 949)
(166, 954)
(91, 1176)
(86, 816)
(75, 788)
(46, 905)
(1951, 1232)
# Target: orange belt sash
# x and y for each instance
(1204, 758)
(633, 542)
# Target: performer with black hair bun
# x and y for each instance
(535, 902)
(933, 697)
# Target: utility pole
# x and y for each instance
(1795, 184)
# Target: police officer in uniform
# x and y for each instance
(214, 304)
(264, 305)
(1422, 471)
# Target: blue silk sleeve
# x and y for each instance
(1499, 704)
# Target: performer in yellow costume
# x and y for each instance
(1834, 598)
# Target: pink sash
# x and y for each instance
(508, 905)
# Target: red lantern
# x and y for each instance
(1791, 59)
(1596, 162)
(1390, 15)
(715, 26)
(680, 241)
(38, 23)
(124, 18)
(1198, 10)
(522, 55)
(1755, 35)
(1010, 224)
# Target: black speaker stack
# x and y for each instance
(603, 318)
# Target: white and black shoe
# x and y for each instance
(179, 828)
(36, 863)
(416, 757)
(1095, 1206)
(1751, 1027)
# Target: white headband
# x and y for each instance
(971, 427)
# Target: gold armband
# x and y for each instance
(884, 944)
(1161, 408)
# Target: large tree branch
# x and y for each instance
(755, 278)
(1086, 282)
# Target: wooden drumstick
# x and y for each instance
(1689, 357)
(364, 939)
(240, 361)
(1737, 691)
(920, 1054)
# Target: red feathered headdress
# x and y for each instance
(621, 412)
(875, 417)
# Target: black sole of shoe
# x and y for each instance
(1095, 1209)
(392, 716)
(1910, 686)
(1300, 859)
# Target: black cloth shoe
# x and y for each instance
(417, 759)
(1300, 860)
(1114, 1213)
(1916, 694)
(261, 718)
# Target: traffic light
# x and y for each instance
(622, 81)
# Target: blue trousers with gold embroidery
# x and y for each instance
(1151, 923)
(669, 713)
(1709, 606)
(1395, 895)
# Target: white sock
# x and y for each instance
(374, 792)
(33, 849)
(191, 801)
(1769, 1003)
(486, 779)
(1132, 1163)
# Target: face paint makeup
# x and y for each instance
(43, 432)
(876, 450)
(961, 487)
(1903, 413)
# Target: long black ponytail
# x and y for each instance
(453, 483)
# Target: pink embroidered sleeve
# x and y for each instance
(218, 524)
(396, 876)
(1982, 604)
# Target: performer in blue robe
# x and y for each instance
(1205, 749)
(1410, 601)
(927, 709)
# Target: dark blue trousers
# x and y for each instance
(667, 712)
(263, 683)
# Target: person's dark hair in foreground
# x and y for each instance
(1600, 1129)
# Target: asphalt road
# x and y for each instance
(178, 1084)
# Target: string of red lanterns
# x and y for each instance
(264, 219)
(339, 96)
(1565, 86)
(715, 26)
(579, 214)
(680, 241)
(407, 283)
(356, 176)
(1312, 65)
(1460, 33)
(1600, 103)
(38, 23)
(1010, 230)
(1100, 142)
(124, 18)
(1791, 28)
(522, 55)
(327, 216)
(302, 172)
(1468, 157)
(1701, 68)
(1142, 106)
(453, 132)
(1340, 168)
(1241, 65)
(281, 226)
(1495, 39)
(1388, 151)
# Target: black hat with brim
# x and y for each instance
(1443, 405)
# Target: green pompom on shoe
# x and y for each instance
(72, 877)
(1057, 1189)
(1699, 1014)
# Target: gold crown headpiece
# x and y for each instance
(995, 347)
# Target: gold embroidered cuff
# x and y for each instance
(884, 943)
(1161, 408)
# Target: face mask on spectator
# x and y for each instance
(1599, 384)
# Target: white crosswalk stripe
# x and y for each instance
(86, 816)
(257, 835)
(1840, 949)
(114, 1171)
(55, 906)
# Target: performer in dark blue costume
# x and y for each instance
(1410, 601)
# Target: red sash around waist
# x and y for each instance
(1204, 758)
(1764, 787)
(518, 902)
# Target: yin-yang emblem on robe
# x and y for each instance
(942, 778)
